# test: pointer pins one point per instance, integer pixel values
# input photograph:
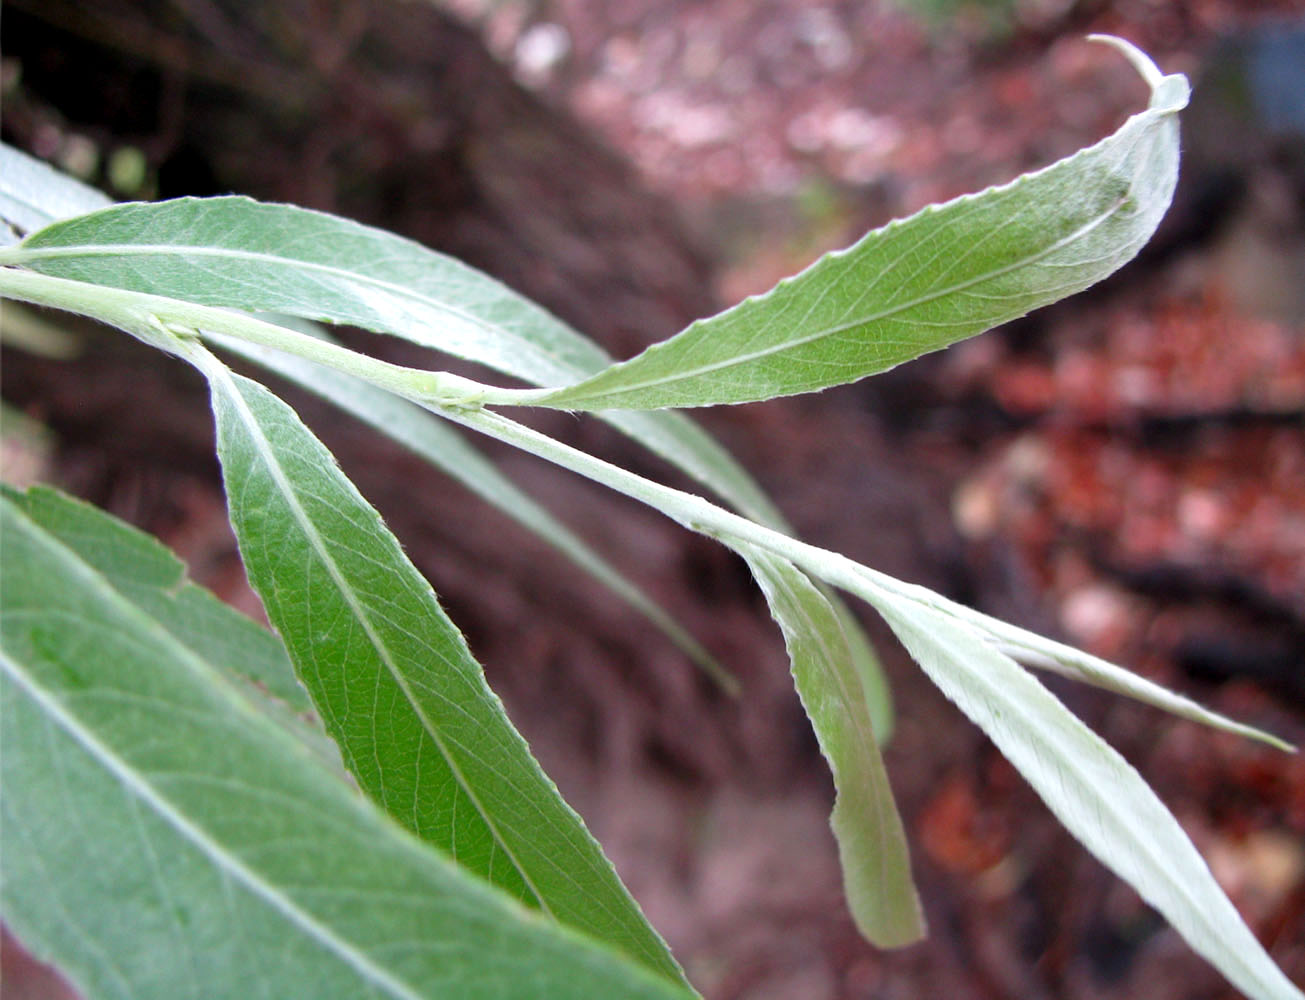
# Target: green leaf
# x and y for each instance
(1055, 657)
(393, 680)
(872, 845)
(1095, 794)
(918, 285)
(34, 194)
(238, 253)
(165, 839)
(1091, 789)
(437, 443)
(147, 574)
(879, 696)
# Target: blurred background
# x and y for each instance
(1125, 470)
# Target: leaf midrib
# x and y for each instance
(219, 373)
(24, 255)
(138, 785)
(833, 331)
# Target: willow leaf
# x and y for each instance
(165, 839)
(242, 254)
(393, 680)
(146, 573)
(1090, 788)
(872, 846)
(1056, 657)
(33, 195)
(433, 440)
(917, 285)
(1092, 791)
(238, 253)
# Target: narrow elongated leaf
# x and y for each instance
(237, 253)
(437, 443)
(143, 571)
(1056, 657)
(392, 678)
(1093, 791)
(1095, 794)
(164, 839)
(233, 251)
(918, 285)
(33, 195)
(872, 846)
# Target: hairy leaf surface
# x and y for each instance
(1091, 789)
(32, 195)
(947, 273)
(872, 846)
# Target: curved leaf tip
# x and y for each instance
(919, 284)
(1168, 93)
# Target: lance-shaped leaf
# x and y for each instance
(238, 253)
(393, 680)
(1047, 654)
(32, 195)
(918, 285)
(241, 254)
(1091, 789)
(872, 846)
(165, 838)
(146, 573)
(436, 442)
(1056, 657)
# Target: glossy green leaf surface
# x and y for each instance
(872, 846)
(393, 680)
(167, 839)
(436, 442)
(917, 285)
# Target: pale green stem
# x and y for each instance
(162, 322)
(170, 324)
(697, 514)
(687, 509)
